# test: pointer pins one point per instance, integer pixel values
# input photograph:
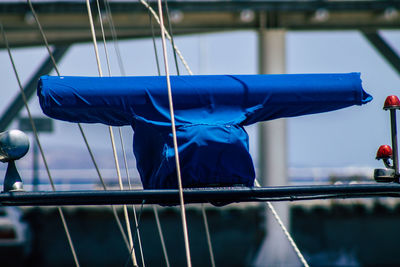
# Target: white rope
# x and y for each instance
(104, 38)
(210, 248)
(285, 231)
(171, 111)
(155, 210)
(71, 244)
(126, 215)
(80, 128)
(122, 145)
(176, 51)
(163, 29)
(94, 40)
(133, 206)
(138, 235)
(114, 210)
(114, 37)
(160, 233)
(172, 37)
(115, 214)
(137, 224)
(43, 36)
(64, 222)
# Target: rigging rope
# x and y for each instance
(175, 51)
(273, 211)
(172, 36)
(121, 138)
(210, 248)
(155, 210)
(126, 215)
(171, 111)
(204, 215)
(134, 237)
(167, 35)
(154, 44)
(164, 248)
(133, 206)
(64, 222)
(203, 211)
(284, 229)
(114, 37)
(115, 214)
(104, 39)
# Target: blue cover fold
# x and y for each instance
(210, 112)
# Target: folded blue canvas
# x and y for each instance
(210, 112)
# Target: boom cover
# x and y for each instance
(210, 112)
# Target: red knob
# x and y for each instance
(392, 102)
(384, 152)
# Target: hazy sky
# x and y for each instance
(341, 138)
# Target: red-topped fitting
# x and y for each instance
(384, 152)
(392, 102)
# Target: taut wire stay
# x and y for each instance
(175, 142)
(175, 51)
(120, 131)
(172, 37)
(209, 243)
(164, 248)
(113, 208)
(284, 229)
(163, 35)
(155, 210)
(126, 215)
(156, 17)
(64, 222)
(114, 37)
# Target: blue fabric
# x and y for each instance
(210, 112)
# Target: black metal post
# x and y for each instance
(393, 126)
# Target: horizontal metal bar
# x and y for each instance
(216, 196)
(266, 5)
(66, 22)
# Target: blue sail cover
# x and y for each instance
(210, 112)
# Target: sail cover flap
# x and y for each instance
(210, 112)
